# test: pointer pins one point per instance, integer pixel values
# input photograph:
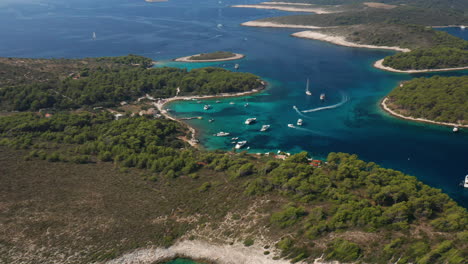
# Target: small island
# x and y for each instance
(212, 57)
(436, 100)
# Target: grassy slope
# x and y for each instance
(91, 212)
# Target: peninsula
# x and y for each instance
(87, 177)
(436, 100)
(407, 28)
(212, 57)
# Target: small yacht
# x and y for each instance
(291, 125)
(94, 36)
(463, 27)
(240, 144)
(250, 121)
(231, 103)
(307, 88)
(465, 184)
(222, 134)
(236, 66)
(234, 138)
(206, 107)
(218, 101)
(211, 120)
(246, 104)
(455, 129)
(265, 128)
(322, 97)
(300, 122)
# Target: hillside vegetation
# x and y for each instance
(442, 99)
(81, 187)
(107, 86)
(320, 207)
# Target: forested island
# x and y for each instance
(81, 186)
(438, 99)
(389, 24)
(213, 56)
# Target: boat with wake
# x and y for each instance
(240, 144)
(307, 91)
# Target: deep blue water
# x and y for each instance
(162, 31)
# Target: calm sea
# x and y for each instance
(349, 120)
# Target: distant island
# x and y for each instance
(437, 100)
(402, 27)
(212, 57)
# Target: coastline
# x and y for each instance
(379, 65)
(275, 25)
(339, 40)
(187, 58)
(193, 141)
(384, 106)
(289, 7)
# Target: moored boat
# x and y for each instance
(291, 125)
(322, 96)
(466, 182)
(265, 128)
(455, 129)
(300, 122)
(206, 107)
(222, 134)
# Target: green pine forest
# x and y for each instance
(345, 209)
(442, 99)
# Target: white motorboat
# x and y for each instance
(455, 129)
(240, 144)
(265, 128)
(291, 125)
(466, 182)
(206, 107)
(250, 121)
(222, 134)
(322, 96)
(300, 122)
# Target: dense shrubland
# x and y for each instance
(442, 99)
(109, 86)
(343, 196)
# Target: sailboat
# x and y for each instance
(94, 35)
(307, 88)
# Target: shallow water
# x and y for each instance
(182, 261)
(51, 28)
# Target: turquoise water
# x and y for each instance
(182, 261)
(162, 31)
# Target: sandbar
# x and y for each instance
(187, 59)
(290, 8)
(275, 25)
(340, 40)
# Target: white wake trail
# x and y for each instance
(344, 99)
